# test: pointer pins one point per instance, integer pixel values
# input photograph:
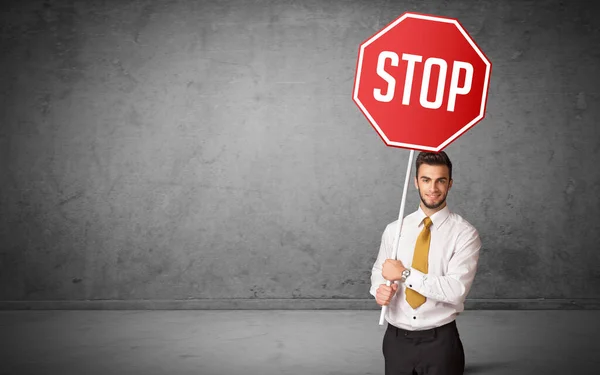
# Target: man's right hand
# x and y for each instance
(385, 293)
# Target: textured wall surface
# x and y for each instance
(176, 150)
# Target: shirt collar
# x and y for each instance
(437, 219)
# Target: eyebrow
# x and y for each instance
(429, 178)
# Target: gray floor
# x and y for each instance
(280, 342)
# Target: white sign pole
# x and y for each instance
(400, 221)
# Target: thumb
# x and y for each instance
(394, 287)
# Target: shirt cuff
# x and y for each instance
(415, 280)
(373, 291)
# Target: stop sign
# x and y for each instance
(421, 82)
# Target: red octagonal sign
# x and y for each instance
(422, 82)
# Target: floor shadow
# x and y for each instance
(479, 368)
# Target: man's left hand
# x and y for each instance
(392, 269)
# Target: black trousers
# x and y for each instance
(437, 351)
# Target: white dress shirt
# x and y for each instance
(453, 258)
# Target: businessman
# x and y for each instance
(437, 258)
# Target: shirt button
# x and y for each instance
(410, 285)
(414, 317)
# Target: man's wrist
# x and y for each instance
(405, 273)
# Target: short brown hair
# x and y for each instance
(433, 158)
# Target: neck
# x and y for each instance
(431, 211)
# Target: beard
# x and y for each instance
(435, 205)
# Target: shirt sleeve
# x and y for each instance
(453, 287)
(384, 253)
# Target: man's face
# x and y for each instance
(433, 183)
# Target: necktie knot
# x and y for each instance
(427, 222)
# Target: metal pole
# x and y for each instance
(400, 221)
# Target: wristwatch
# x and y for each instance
(405, 274)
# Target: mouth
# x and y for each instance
(435, 196)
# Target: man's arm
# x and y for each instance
(453, 287)
(384, 253)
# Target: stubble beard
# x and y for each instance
(432, 207)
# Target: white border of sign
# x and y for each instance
(485, 84)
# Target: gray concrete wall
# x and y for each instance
(210, 150)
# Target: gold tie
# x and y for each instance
(420, 262)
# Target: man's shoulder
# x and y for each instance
(460, 223)
(409, 219)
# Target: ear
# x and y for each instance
(450, 184)
(416, 184)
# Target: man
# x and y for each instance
(437, 258)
